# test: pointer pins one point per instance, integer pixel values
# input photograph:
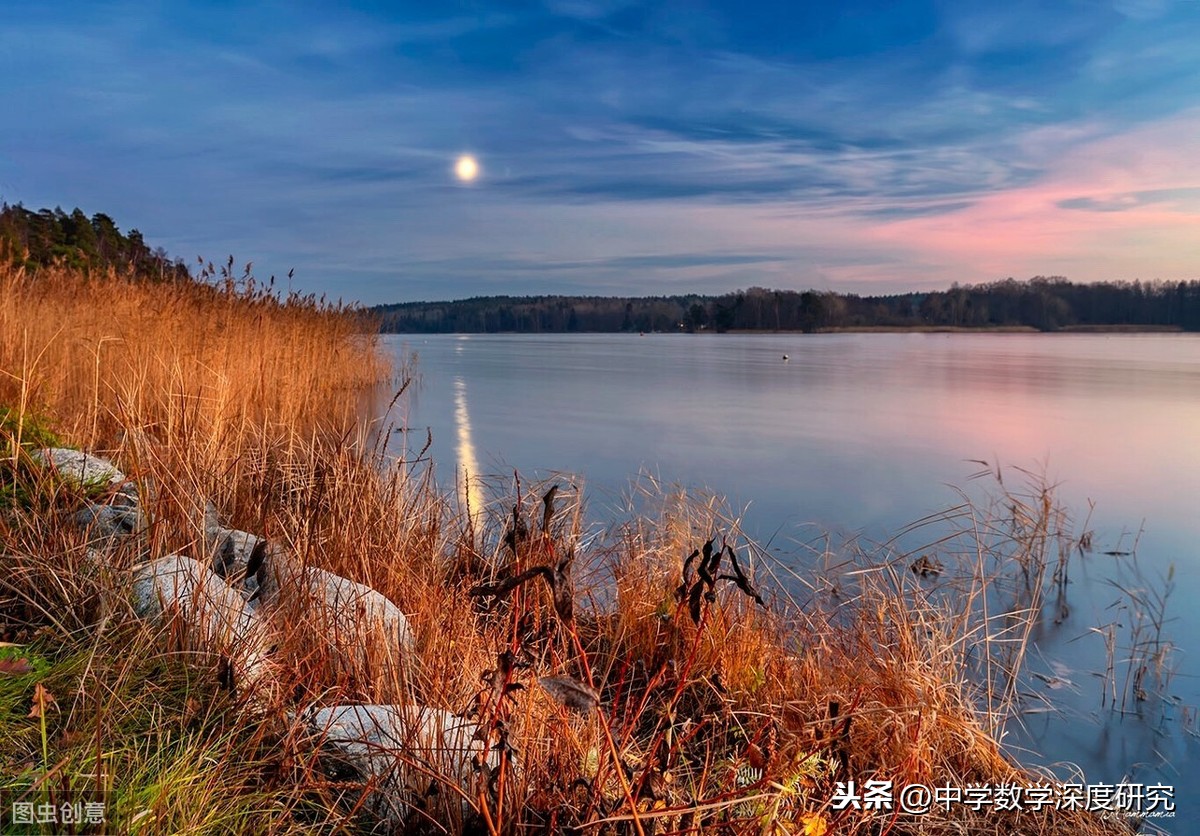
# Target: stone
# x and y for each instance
(127, 496)
(368, 635)
(367, 630)
(207, 616)
(79, 468)
(352, 603)
(230, 551)
(107, 525)
(398, 752)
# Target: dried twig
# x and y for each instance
(743, 583)
(548, 510)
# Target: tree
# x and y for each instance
(696, 318)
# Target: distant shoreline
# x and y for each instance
(1039, 304)
(854, 329)
(1003, 329)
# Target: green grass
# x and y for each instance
(20, 434)
(25, 430)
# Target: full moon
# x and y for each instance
(466, 168)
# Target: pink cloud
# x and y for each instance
(1055, 226)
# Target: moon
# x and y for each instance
(467, 169)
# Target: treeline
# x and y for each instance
(540, 314)
(37, 239)
(1046, 304)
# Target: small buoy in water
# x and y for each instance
(785, 357)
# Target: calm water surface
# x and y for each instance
(858, 435)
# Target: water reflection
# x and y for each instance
(468, 476)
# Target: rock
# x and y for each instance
(231, 550)
(80, 468)
(127, 496)
(353, 603)
(106, 525)
(368, 634)
(398, 752)
(180, 592)
(367, 630)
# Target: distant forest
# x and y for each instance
(37, 239)
(1046, 304)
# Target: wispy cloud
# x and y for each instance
(1130, 202)
(1185, 199)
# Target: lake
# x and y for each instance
(858, 435)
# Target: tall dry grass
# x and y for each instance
(712, 713)
(217, 368)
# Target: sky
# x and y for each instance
(622, 148)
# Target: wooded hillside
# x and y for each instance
(39, 239)
(1047, 304)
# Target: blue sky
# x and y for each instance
(624, 148)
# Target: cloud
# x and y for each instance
(1112, 207)
(916, 211)
(1142, 9)
(590, 10)
(1181, 199)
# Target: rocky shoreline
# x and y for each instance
(236, 593)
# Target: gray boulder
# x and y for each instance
(398, 752)
(232, 552)
(368, 632)
(107, 525)
(127, 496)
(205, 615)
(369, 635)
(349, 605)
(121, 516)
(80, 468)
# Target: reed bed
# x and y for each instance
(630, 680)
